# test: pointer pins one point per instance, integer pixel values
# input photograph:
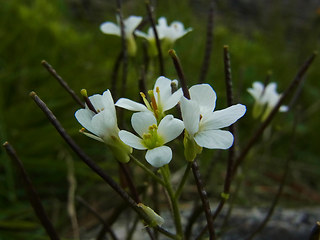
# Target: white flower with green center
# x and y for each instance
(153, 136)
(162, 99)
(266, 98)
(130, 24)
(203, 124)
(100, 119)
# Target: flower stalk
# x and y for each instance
(165, 172)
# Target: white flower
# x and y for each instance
(130, 24)
(162, 99)
(102, 123)
(203, 124)
(266, 98)
(153, 136)
(173, 32)
(169, 34)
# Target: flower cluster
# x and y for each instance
(155, 128)
(167, 33)
(266, 98)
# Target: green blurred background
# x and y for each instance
(262, 36)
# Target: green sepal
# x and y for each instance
(191, 148)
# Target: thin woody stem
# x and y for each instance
(194, 166)
(156, 36)
(63, 83)
(32, 194)
(294, 83)
(227, 181)
(204, 198)
(209, 41)
(91, 164)
(178, 67)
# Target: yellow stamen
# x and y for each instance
(153, 100)
(145, 100)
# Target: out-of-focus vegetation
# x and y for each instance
(262, 36)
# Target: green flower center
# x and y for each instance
(152, 139)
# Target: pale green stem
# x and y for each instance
(147, 170)
(183, 180)
(175, 206)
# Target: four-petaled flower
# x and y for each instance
(167, 33)
(153, 136)
(130, 24)
(173, 32)
(100, 119)
(266, 98)
(162, 99)
(203, 124)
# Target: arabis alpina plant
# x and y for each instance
(168, 34)
(203, 124)
(153, 136)
(266, 97)
(130, 24)
(99, 118)
(161, 99)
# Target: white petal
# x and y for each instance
(222, 118)
(108, 101)
(214, 139)
(159, 156)
(131, 140)
(130, 105)
(205, 96)
(131, 23)
(110, 28)
(169, 128)
(84, 117)
(164, 85)
(141, 122)
(190, 114)
(256, 90)
(104, 124)
(141, 34)
(172, 100)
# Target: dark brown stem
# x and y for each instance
(129, 181)
(178, 67)
(32, 194)
(156, 36)
(204, 198)
(209, 41)
(91, 164)
(97, 215)
(63, 83)
(295, 82)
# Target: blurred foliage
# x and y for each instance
(263, 36)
